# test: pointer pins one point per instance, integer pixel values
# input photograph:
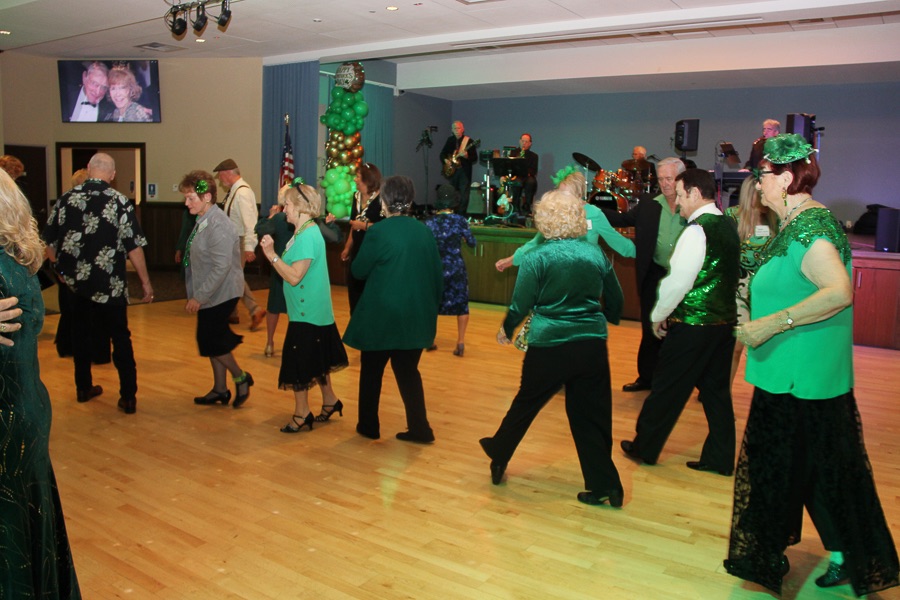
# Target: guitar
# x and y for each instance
(452, 164)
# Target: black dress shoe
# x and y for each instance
(834, 575)
(129, 406)
(636, 386)
(631, 451)
(419, 438)
(213, 397)
(700, 466)
(242, 390)
(369, 433)
(91, 392)
(614, 497)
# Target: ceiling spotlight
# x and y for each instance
(175, 20)
(199, 21)
(225, 15)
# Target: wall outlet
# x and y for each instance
(175, 187)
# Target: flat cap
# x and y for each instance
(226, 165)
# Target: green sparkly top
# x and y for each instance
(815, 361)
(711, 300)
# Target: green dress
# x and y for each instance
(35, 560)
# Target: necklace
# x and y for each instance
(303, 227)
(787, 217)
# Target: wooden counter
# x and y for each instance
(486, 284)
(876, 299)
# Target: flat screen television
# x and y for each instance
(109, 91)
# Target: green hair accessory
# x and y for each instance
(787, 148)
(563, 173)
(201, 187)
(297, 182)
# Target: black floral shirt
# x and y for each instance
(92, 228)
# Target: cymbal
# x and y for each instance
(632, 164)
(585, 161)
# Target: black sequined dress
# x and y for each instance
(35, 561)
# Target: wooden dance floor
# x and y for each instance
(182, 501)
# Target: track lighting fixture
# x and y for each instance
(225, 15)
(199, 21)
(175, 19)
(178, 15)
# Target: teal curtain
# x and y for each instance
(293, 90)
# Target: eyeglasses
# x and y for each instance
(758, 174)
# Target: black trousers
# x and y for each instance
(648, 351)
(405, 364)
(90, 319)
(691, 356)
(581, 367)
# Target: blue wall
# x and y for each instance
(860, 148)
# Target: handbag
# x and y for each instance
(520, 341)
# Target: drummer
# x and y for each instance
(523, 196)
(642, 172)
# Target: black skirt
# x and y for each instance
(214, 335)
(807, 453)
(310, 353)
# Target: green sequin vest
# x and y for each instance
(712, 299)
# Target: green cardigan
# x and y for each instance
(398, 309)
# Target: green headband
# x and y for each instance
(563, 173)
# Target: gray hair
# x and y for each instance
(673, 161)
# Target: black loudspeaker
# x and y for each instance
(887, 234)
(802, 124)
(686, 133)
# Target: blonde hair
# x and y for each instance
(750, 211)
(18, 229)
(560, 215)
(78, 177)
(575, 184)
(304, 197)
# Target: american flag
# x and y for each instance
(287, 161)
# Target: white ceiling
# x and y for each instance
(460, 49)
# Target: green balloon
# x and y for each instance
(361, 108)
(337, 92)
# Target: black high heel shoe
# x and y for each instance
(297, 424)
(328, 410)
(460, 350)
(213, 397)
(834, 575)
(244, 382)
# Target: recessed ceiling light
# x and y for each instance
(4, 32)
(200, 40)
(391, 8)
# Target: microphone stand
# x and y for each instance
(425, 142)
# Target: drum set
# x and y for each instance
(613, 189)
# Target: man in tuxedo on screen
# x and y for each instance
(89, 102)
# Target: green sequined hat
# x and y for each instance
(786, 148)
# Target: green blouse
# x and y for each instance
(815, 361)
(310, 300)
(561, 282)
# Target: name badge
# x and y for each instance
(590, 224)
(761, 231)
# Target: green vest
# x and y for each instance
(712, 299)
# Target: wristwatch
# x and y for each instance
(788, 322)
(276, 259)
